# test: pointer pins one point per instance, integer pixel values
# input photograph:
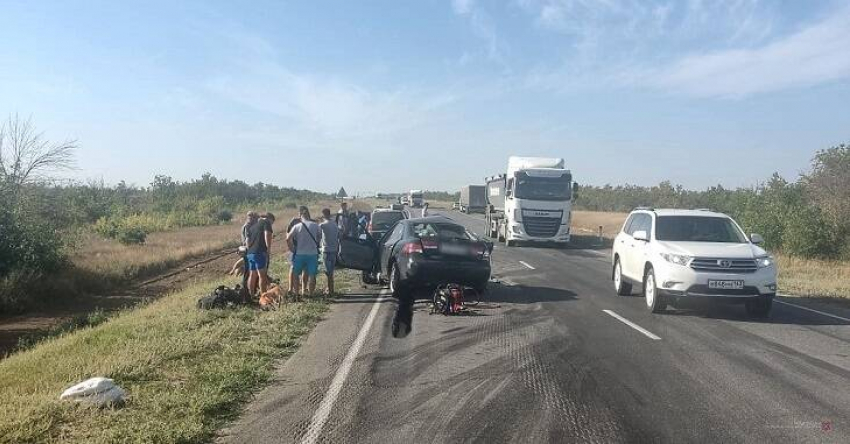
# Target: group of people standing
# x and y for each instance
(307, 240)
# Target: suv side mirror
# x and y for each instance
(575, 190)
(641, 235)
(756, 238)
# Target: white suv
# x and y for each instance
(680, 254)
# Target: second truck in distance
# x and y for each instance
(473, 199)
(531, 202)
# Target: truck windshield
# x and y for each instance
(543, 188)
(698, 229)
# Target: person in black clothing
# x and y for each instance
(259, 247)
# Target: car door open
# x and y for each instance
(356, 254)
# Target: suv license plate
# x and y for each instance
(726, 285)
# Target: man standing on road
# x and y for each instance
(257, 257)
(330, 246)
(342, 219)
(305, 261)
(425, 209)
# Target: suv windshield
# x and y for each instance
(383, 220)
(698, 229)
(543, 188)
(443, 232)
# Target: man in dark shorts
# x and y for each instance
(330, 246)
(259, 245)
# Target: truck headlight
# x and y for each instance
(765, 261)
(678, 259)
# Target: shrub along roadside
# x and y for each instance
(187, 371)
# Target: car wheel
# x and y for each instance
(396, 286)
(368, 277)
(759, 307)
(654, 301)
(623, 288)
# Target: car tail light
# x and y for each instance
(480, 251)
(411, 248)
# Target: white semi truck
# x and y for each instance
(532, 202)
(416, 198)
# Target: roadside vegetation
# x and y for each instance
(187, 371)
(66, 239)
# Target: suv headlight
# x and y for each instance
(765, 261)
(678, 259)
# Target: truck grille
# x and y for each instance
(724, 265)
(541, 226)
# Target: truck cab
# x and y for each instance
(532, 202)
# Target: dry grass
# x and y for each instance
(109, 258)
(804, 277)
(809, 277)
(588, 222)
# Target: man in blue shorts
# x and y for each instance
(257, 257)
(303, 239)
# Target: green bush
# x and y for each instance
(809, 235)
(224, 216)
(131, 236)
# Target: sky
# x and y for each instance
(431, 94)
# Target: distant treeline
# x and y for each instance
(128, 213)
(809, 217)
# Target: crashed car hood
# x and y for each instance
(713, 249)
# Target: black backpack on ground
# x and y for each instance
(222, 297)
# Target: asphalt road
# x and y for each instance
(556, 356)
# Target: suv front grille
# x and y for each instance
(703, 289)
(541, 226)
(724, 265)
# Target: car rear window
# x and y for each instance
(442, 232)
(698, 229)
(385, 219)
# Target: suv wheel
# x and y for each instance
(759, 307)
(654, 301)
(623, 288)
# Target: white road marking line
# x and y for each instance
(598, 253)
(813, 310)
(324, 410)
(631, 324)
(526, 265)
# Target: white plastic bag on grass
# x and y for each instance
(100, 392)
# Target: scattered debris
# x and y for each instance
(99, 392)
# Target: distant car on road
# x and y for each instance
(421, 253)
(691, 254)
(382, 220)
(456, 206)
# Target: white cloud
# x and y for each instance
(482, 26)
(319, 107)
(816, 54)
(723, 48)
(462, 7)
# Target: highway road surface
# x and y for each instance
(556, 356)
